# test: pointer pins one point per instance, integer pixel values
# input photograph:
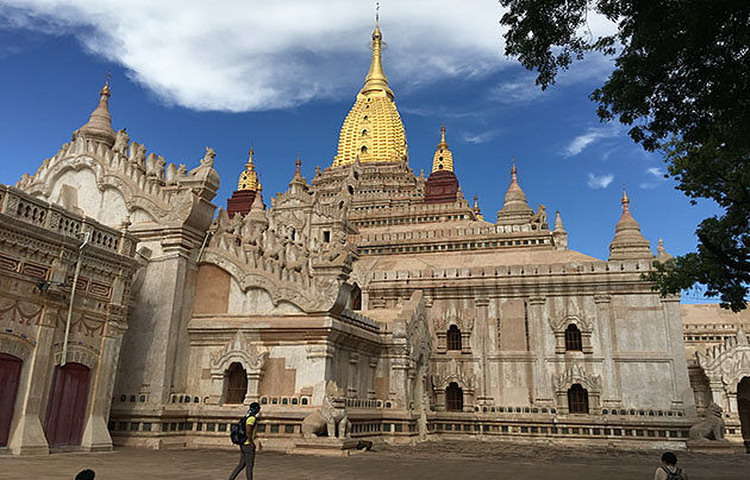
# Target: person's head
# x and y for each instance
(669, 458)
(86, 475)
(254, 408)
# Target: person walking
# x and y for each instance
(243, 434)
(86, 475)
(669, 469)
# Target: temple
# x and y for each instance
(366, 303)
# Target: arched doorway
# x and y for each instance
(236, 379)
(743, 407)
(573, 341)
(66, 409)
(10, 375)
(453, 338)
(454, 398)
(578, 399)
(356, 298)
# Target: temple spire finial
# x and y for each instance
(376, 80)
(628, 242)
(99, 126)
(515, 208)
(249, 177)
(443, 158)
(625, 201)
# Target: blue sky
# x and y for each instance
(195, 88)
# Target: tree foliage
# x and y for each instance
(681, 82)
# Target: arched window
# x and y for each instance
(573, 339)
(364, 133)
(454, 398)
(363, 149)
(236, 381)
(356, 298)
(454, 338)
(578, 399)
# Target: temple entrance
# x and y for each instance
(743, 407)
(236, 379)
(454, 398)
(578, 399)
(10, 375)
(356, 298)
(66, 410)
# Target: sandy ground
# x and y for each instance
(429, 461)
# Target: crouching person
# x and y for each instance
(243, 434)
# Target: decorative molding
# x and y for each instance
(238, 349)
(577, 374)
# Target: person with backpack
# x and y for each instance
(669, 469)
(86, 475)
(242, 433)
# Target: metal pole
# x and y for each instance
(203, 246)
(86, 237)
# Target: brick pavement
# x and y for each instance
(431, 461)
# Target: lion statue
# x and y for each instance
(711, 427)
(330, 419)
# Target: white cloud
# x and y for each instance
(600, 181)
(657, 172)
(239, 55)
(521, 89)
(578, 144)
(481, 137)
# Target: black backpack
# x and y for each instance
(237, 432)
(676, 475)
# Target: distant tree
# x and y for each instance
(681, 82)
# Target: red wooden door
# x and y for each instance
(10, 375)
(67, 405)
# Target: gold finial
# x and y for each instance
(298, 166)
(514, 171)
(625, 201)
(377, 13)
(443, 159)
(376, 78)
(249, 177)
(476, 202)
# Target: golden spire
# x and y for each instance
(373, 131)
(376, 80)
(249, 177)
(443, 158)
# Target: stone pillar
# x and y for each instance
(684, 397)
(28, 436)
(96, 434)
(399, 380)
(158, 327)
(611, 392)
(439, 400)
(541, 388)
(253, 386)
(352, 390)
(481, 323)
(732, 403)
(217, 387)
(718, 395)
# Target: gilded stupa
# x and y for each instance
(373, 131)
